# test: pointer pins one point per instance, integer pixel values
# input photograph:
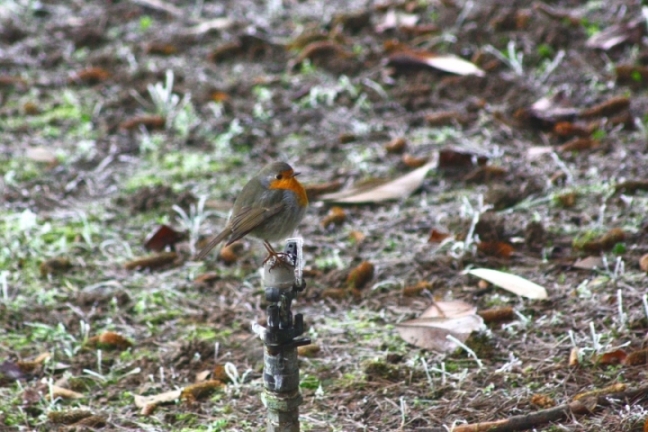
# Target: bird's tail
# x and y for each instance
(212, 244)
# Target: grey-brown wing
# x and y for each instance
(248, 218)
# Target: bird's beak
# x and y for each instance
(296, 174)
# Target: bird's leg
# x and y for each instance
(280, 257)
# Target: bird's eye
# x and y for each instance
(278, 176)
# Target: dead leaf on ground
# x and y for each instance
(147, 403)
(55, 392)
(42, 154)
(361, 275)
(109, 341)
(603, 243)
(451, 158)
(589, 263)
(437, 236)
(631, 186)
(399, 188)
(163, 236)
(617, 34)
(631, 74)
(607, 108)
(497, 314)
(404, 58)
(643, 263)
(150, 122)
(545, 112)
(449, 309)
(636, 358)
(510, 282)
(152, 262)
(431, 333)
(496, 248)
(612, 357)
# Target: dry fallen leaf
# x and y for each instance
(445, 63)
(510, 282)
(42, 155)
(148, 403)
(431, 333)
(399, 188)
(589, 263)
(449, 309)
(617, 34)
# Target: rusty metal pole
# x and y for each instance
(281, 337)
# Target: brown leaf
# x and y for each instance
(202, 390)
(396, 146)
(431, 333)
(231, 253)
(109, 341)
(612, 357)
(63, 393)
(92, 75)
(579, 144)
(148, 403)
(496, 248)
(573, 357)
(335, 216)
(361, 275)
(320, 51)
(607, 108)
(152, 262)
(636, 358)
(53, 266)
(449, 309)
(413, 161)
(497, 314)
(158, 48)
(414, 290)
(631, 186)
(589, 263)
(631, 74)
(437, 236)
(453, 158)
(542, 401)
(151, 122)
(335, 293)
(206, 278)
(68, 417)
(443, 118)
(484, 174)
(603, 243)
(568, 129)
(399, 188)
(643, 263)
(163, 236)
(309, 350)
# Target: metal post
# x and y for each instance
(281, 338)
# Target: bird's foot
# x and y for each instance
(280, 258)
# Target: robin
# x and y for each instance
(269, 207)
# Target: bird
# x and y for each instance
(269, 208)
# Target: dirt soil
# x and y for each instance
(118, 117)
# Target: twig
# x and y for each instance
(535, 420)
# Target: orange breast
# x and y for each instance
(291, 184)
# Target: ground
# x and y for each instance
(117, 117)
